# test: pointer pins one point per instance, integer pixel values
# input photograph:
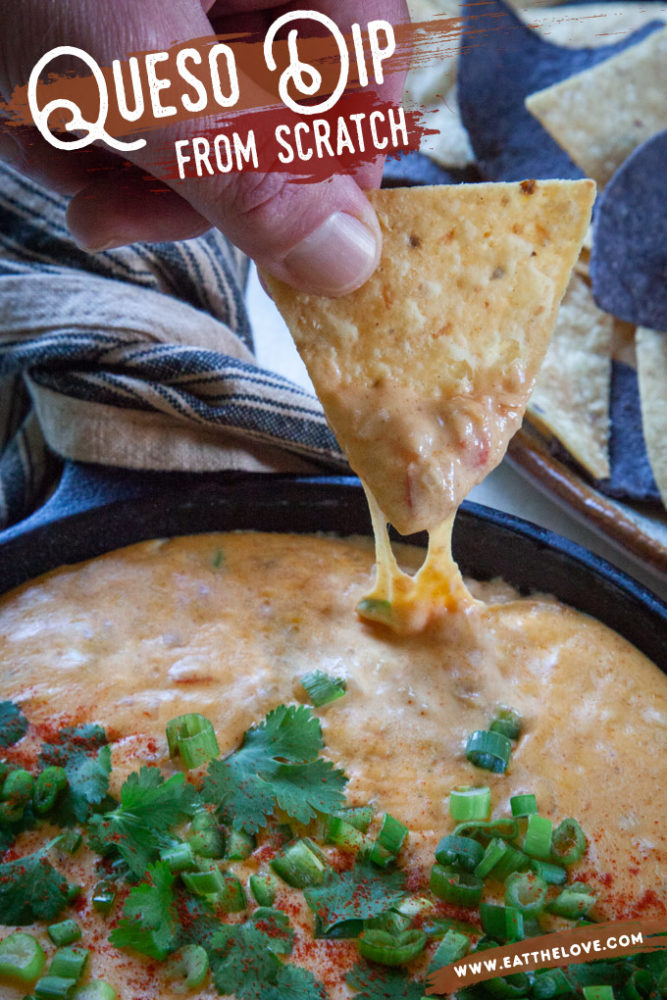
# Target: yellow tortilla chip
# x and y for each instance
(571, 395)
(652, 373)
(601, 115)
(424, 372)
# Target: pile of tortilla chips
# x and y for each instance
(571, 91)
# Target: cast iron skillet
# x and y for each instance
(96, 509)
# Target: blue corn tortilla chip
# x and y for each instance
(629, 255)
(413, 169)
(631, 476)
(502, 62)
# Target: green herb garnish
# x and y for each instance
(13, 724)
(276, 767)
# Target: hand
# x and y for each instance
(321, 237)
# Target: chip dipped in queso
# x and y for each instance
(217, 779)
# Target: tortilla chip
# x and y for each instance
(631, 474)
(425, 371)
(502, 62)
(629, 256)
(652, 368)
(601, 115)
(571, 396)
(592, 24)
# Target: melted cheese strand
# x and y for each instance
(405, 603)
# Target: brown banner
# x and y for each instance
(584, 944)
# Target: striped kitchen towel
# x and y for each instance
(139, 358)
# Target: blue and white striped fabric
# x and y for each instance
(139, 358)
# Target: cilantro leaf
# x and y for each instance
(86, 757)
(292, 983)
(13, 724)
(196, 923)
(359, 894)
(244, 962)
(373, 982)
(276, 926)
(148, 925)
(241, 960)
(149, 807)
(31, 889)
(277, 766)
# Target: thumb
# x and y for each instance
(323, 238)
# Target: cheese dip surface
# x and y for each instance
(225, 625)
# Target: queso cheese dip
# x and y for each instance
(226, 624)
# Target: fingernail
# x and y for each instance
(97, 246)
(338, 257)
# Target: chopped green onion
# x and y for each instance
(21, 958)
(552, 874)
(509, 987)
(381, 857)
(343, 834)
(523, 805)
(206, 837)
(16, 793)
(488, 750)
(70, 842)
(4, 771)
(469, 802)
(232, 898)
(323, 689)
(388, 949)
(263, 888)
(50, 783)
(568, 842)
(513, 860)
(207, 883)
(179, 857)
(375, 609)
(224, 889)
(550, 983)
(502, 923)
(598, 993)
(526, 892)
(537, 842)
(66, 932)
(508, 722)
(218, 559)
(193, 738)
(495, 850)
(104, 897)
(360, 817)
(240, 845)
(438, 927)
(414, 906)
(391, 921)
(463, 852)
(392, 834)
(577, 900)
(187, 968)
(641, 983)
(69, 963)
(501, 860)
(96, 989)
(54, 988)
(452, 947)
(456, 886)
(299, 865)
(504, 827)
(73, 893)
